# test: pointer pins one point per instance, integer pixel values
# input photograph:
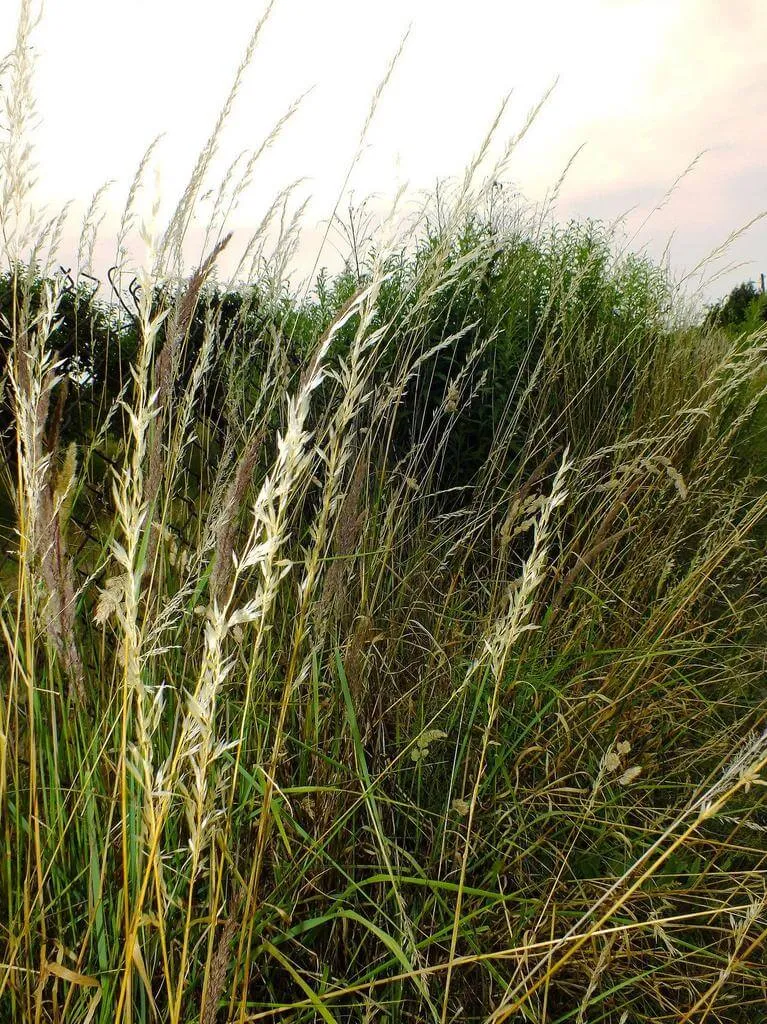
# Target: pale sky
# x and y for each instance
(644, 84)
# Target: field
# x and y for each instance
(390, 651)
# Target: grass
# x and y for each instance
(410, 664)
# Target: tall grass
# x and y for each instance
(410, 665)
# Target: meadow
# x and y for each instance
(391, 650)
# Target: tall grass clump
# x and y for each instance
(393, 651)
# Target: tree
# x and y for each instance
(745, 308)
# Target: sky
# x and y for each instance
(643, 87)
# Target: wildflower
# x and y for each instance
(421, 751)
(629, 775)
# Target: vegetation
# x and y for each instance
(745, 308)
(390, 653)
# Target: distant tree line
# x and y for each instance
(509, 304)
(744, 309)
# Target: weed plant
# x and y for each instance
(390, 653)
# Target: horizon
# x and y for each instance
(638, 136)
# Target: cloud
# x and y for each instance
(645, 84)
